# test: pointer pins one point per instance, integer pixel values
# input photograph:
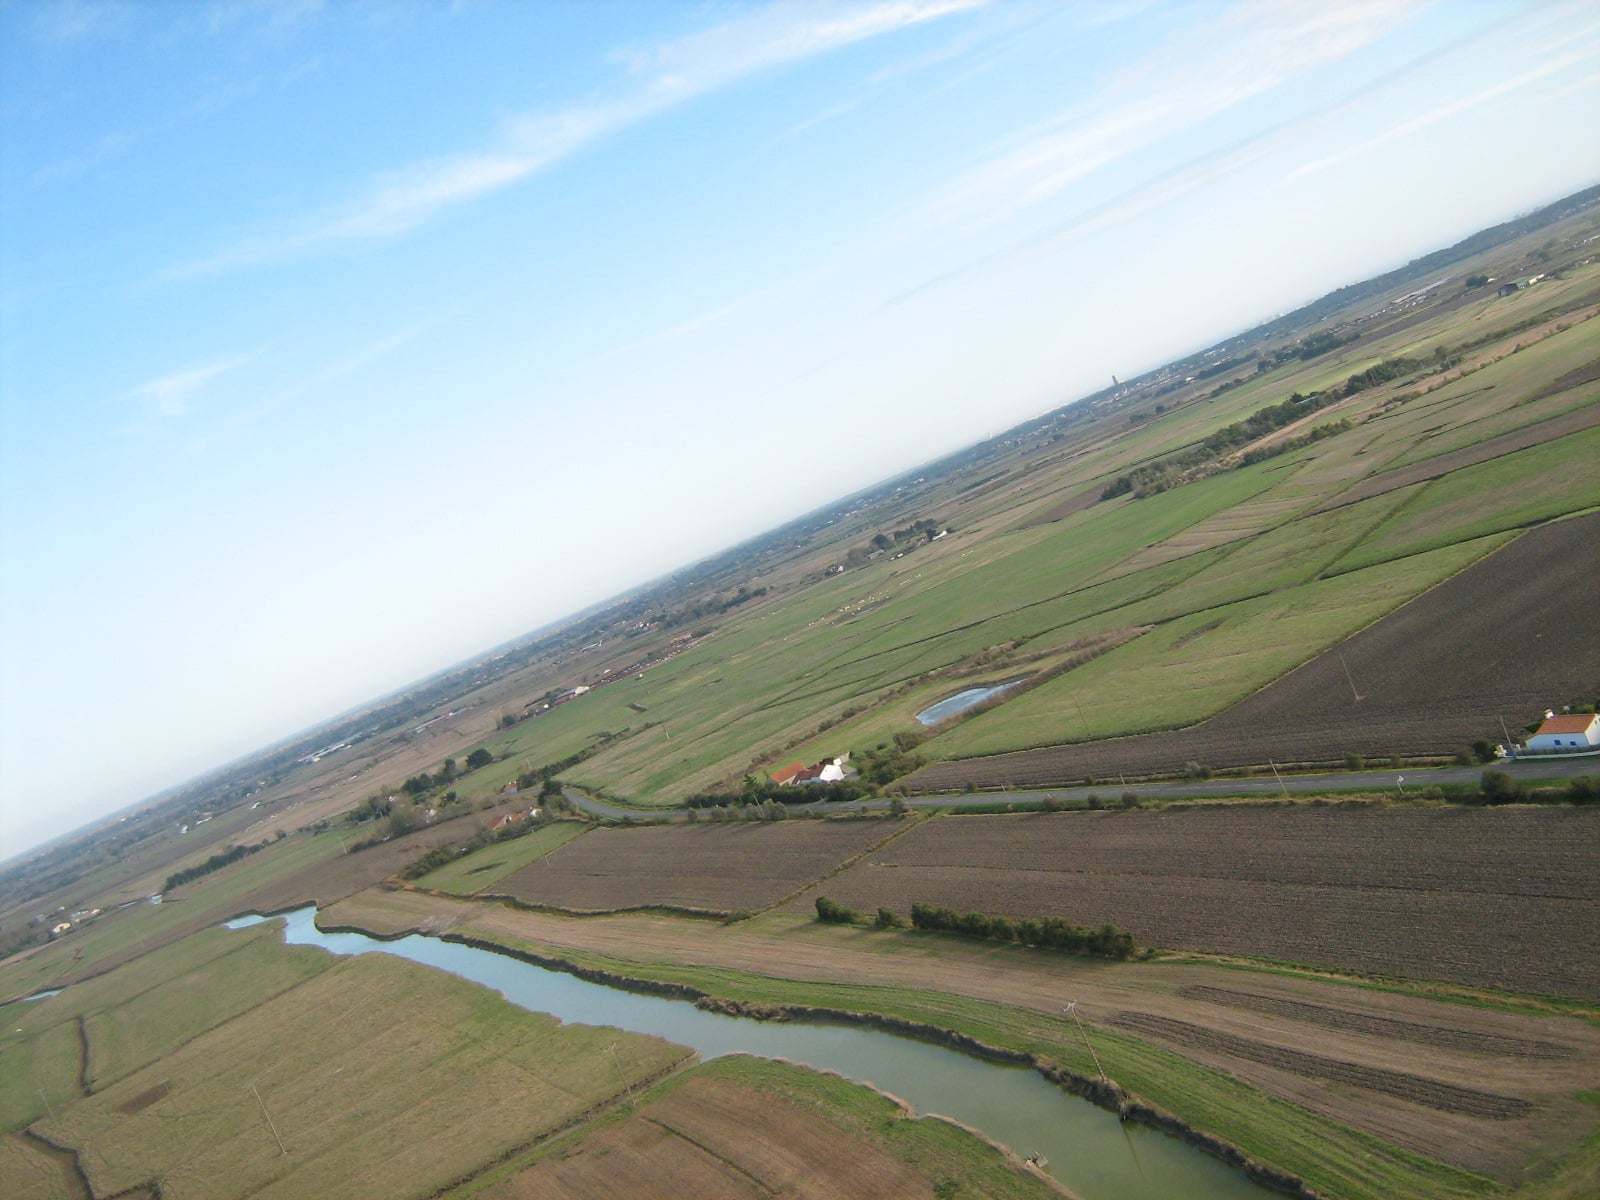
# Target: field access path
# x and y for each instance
(1402, 782)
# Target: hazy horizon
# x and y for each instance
(343, 344)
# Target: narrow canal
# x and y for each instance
(1088, 1149)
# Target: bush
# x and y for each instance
(1130, 800)
(1496, 787)
(1354, 762)
(834, 913)
(888, 919)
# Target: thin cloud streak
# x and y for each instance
(171, 395)
(400, 201)
(1270, 45)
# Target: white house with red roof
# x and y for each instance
(1566, 734)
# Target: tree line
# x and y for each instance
(215, 863)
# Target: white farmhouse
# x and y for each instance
(1566, 734)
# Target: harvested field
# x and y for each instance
(700, 867)
(1430, 677)
(1501, 898)
(1471, 1041)
(742, 1129)
(1403, 1086)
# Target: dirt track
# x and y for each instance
(1488, 644)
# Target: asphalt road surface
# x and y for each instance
(1403, 781)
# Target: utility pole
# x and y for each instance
(1072, 1010)
(612, 1050)
(268, 1116)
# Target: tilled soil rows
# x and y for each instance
(1347, 1020)
(1490, 644)
(1446, 1097)
(1502, 898)
(701, 867)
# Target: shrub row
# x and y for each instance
(1051, 932)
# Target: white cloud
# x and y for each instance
(670, 74)
(1248, 51)
(171, 395)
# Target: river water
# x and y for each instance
(1088, 1149)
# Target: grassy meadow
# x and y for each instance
(1230, 580)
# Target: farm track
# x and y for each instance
(1349, 1021)
(1430, 677)
(1446, 1097)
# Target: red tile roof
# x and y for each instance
(785, 775)
(1576, 723)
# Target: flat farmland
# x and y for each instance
(472, 873)
(1392, 1062)
(361, 1069)
(746, 1128)
(704, 867)
(1499, 898)
(1430, 677)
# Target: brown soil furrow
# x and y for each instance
(1446, 1097)
(1347, 1020)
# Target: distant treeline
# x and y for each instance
(804, 793)
(215, 863)
(1177, 469)
(1050, 932)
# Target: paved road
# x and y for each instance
(1406, 780)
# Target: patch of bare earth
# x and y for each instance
(1502, 898)
(1432, 676)
(1537, 1060)
(718, 1140)
(715, 868)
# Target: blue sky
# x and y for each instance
(341, 341)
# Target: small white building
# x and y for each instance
(1566, 734)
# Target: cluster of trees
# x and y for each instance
(1051, 932)
(1389, 368)
(1169, 472)
(887, 761)
(923, 529)
(215, 863)
(1309, 438)
(709, 606)
(766, 791)
(1497, 787)
(1322, 343)
(447, 774)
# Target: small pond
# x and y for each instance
(961, 701)
(1088, 1149)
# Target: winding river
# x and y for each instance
(1087, 1148)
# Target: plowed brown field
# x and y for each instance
(1502, 898)
(1493, 642)
(711, 868)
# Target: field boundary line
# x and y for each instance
(907, 824)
